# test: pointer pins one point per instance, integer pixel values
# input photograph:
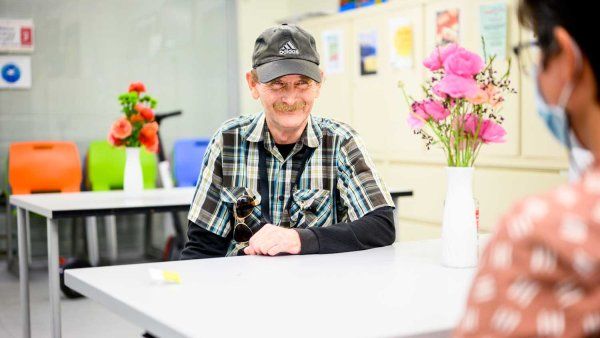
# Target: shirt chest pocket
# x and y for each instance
(230, 194)
(311, 208)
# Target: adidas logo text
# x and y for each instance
(288, 48)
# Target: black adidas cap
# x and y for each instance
(284, 50)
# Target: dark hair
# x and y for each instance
(576, 16)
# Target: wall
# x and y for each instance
(529, 162)
(87, 52)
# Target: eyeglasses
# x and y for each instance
(529, 56)
(242, 208)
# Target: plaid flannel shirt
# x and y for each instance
(339, 169)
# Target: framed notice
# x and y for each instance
(15, 71)
(493, 22)
(16, 35)
(401, 43)
(447, 26)
(367, 42)
(333, 52)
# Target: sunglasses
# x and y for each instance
(241, 210)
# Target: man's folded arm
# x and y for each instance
(204, 244)
(373, 230)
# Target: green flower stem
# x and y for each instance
(442, 139)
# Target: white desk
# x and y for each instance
(400, 290)
(65, 205)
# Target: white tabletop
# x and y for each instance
(400, 290)
(55, 205)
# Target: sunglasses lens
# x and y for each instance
(241, 233)
(244, 206)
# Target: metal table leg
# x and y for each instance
(9, 253)
(91, 228)
(28, 227)
(23, 272)
(53, 276)
(110, 222)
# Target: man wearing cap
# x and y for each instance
(285, 181)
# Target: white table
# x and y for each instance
(400, 290)
(65, 205)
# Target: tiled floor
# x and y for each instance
(80, 317)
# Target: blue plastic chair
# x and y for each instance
(187, 160)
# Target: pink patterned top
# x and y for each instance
(540, 273)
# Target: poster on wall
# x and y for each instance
(333, 52)
(493, 25)
(401, 43)
(16, 35)
(367, 42)
(447, 26)
(15, 71)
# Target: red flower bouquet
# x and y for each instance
(137, 128)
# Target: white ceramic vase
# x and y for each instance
(133, 179)
(459, 227)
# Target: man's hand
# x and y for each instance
(272, 240)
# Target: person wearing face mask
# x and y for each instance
(285, 181)
(540, 273)
(556, 120)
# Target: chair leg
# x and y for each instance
(74, 237)
(148, 234)
(91, 227)
(179, 233)
(110, 222)
(169, 225)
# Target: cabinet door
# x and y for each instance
(336, 91)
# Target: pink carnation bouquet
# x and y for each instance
(463, 98)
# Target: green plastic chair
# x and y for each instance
(105, 166)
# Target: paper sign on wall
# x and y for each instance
(493, 24)
(401, 43)
(16, 35)
(333, 52)
(15, 71)
(367, 42)
(447, 26)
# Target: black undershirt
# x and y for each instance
(285, 149)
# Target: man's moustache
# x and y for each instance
(289, 107)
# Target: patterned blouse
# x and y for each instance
(540, 274)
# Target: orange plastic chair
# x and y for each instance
(39, 166)
(44, 167)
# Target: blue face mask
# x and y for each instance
(554, 116)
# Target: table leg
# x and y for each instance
(110, 222)
(53, 276)
(91, 230)
(23, 272)
(9, 246)
(28, 226)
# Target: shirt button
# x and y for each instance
(281, 198)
